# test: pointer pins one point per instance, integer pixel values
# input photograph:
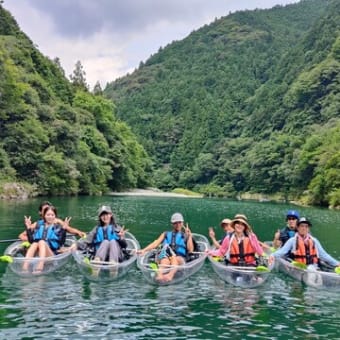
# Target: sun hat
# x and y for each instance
(225, 221)
(304, 220)
(177, 217)
(104, 209)
(243, 221)
(241, 216)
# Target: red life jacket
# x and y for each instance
(305, 251)
(241, 253)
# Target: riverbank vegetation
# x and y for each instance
(56, 137)
(249, 103)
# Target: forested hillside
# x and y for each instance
(249, 103)
(57, 138)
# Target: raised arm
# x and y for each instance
(190, 243)
(213, 238)
(277, 242)
(70, 229)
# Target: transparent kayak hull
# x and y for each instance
(103, 270)
(28, 266)
(246, 277)
(147, 265)
(310, 277)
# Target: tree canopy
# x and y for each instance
(231, 107)
(55, 135)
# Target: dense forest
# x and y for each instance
(249, 103)
(56, 137)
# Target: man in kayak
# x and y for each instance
(176, 244)
(304, 248)
(283, 235)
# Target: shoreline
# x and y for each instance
(152, 193)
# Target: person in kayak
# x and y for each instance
(241, 247)
(225, 225)
(43, 205)
(23, 236)
(304, 248)
(107, 238)
(176, 245)
(283, 235)
(47, 237)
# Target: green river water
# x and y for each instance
(64, 305)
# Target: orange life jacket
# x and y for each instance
(241, 253)
(305, 251)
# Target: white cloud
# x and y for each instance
(110, 38)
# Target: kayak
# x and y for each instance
(309, 275)
(241, 276)
(19, 264)
(104, 270)
(151, 270)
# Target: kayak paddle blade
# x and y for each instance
(262, 269)
(299, 265)
(6, 258)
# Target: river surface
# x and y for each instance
(64, 305)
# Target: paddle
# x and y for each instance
(10, 240)
(262, 269)
(6, 258)
(153, 266)
(299, 265)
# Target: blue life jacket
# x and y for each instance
(105, 233)
(286, 234)
(54, 234)
(177, 242)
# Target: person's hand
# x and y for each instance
(82, 234)
(28, 222)
(271, 260)
(187, 230)
(122, 232)
(67, 221)
(140, 252)
(212, 233)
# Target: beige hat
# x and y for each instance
(241, 216)
(104, 209)
(225, 221)
(243, 221)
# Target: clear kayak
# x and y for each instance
(310, 275)
(33, 266)
(241, 276)
(104, 270)
(151, 270)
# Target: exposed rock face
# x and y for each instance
(16, 191)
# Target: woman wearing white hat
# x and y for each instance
(176, 245)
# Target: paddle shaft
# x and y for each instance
(10, 240)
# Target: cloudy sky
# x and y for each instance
(111, 37)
